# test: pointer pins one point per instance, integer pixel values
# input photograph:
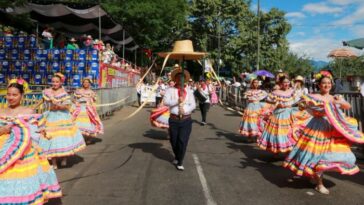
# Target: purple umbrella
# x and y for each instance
(264, 73)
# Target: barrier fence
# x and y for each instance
(234, 97)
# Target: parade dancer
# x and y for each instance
(214, 97)
(275, 137)
(250, 125)
(25, 174)
(324, 140)
(63, 138)
(85, 114)
(181, 103)
(159, 116)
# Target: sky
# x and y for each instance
(319, 26)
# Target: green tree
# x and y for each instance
(295, 65)
(154, 24)
(347, 66)
(5, 3)
(236, 25)
(212, 21)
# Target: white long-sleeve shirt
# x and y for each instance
(171, 100)
(206, 92)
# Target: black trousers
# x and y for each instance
(139, 96)
(158, 100)
(179, 132)
(204, 108)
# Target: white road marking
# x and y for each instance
(205, 188)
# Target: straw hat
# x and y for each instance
(73, 40)
(183, 50)
(89, 37)
(179, 70)
(299, 78)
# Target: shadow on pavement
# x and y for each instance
(92, 140)
(233, 115)
(234, 137)
(155, 149)
(157, 134)
(265, 163)
(57, 201)
(357, 178)
(72, 160)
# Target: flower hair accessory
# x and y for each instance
(323, 73)
(61, 76)
(19, 81)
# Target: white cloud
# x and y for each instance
(322, 8)
(295, 15)
(345, 2)
(316, 48)
(355, 17)
(301, 33)
(358, 31)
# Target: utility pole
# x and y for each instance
(218, 44)
(100, 27)
(123, 45)
(258, 35)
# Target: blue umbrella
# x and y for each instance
(264, 73)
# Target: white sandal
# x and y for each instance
(322, 189)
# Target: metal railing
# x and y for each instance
(233, 96)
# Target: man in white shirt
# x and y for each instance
(139, 88)
(160, 92)
(181, 103)
(205, 90)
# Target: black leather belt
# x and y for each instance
(178, 117)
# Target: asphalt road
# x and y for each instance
(131, 164)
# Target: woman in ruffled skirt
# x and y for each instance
(25, 174)
(159, 117)
(63, 138)
(324, 140)
(275, 137)
(84, 113)
(251, 125)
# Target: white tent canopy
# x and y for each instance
(92, 20)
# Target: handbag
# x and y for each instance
(200, 97)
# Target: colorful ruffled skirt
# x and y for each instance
(159, 117)
(87, 120)
(63, 136)
(251, 125)
(214, 98)
(27, 177)
(276, 135)
(321, 148)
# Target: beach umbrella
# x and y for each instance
(264, 73)
(356, 43)
(342, 53)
